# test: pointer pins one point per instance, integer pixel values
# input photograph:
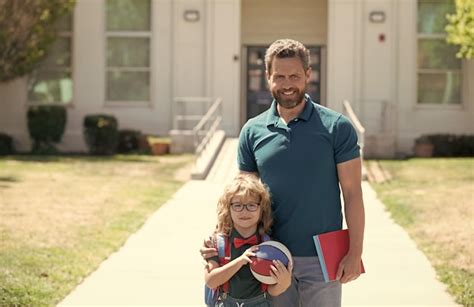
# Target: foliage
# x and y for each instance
(449, 145)
(101, 134)
(27, 29)
(461, 28)
(129, 141)
(6, 144)
(46, 126)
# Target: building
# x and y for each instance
(131, 58)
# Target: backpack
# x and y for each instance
(223, 252)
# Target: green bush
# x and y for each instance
(101, 134)
(46, 126)
(451, 145)
(6, 144)
(129, 141)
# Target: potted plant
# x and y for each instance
(424, 146)
(159, 145)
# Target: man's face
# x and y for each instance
(287, 81)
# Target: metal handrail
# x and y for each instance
(359, 128)
(211, 117)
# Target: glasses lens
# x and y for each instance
(237, 207)
(252, 207)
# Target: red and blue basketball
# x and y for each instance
(267, 252)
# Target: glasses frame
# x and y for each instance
(245, 206)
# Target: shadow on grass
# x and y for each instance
(8, 179)
(83, 157)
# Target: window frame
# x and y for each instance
(70, 69)
(461, 71)
(129, 34)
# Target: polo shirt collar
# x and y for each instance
(273, 117)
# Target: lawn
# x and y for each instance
(433, 199)
(60, 217)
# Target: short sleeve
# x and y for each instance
(245, 156)
(345, 141)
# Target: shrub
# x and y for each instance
(46, 126)
(129, 141)
(6, 144)
(449, 145)
(101, 134)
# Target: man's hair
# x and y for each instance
(286, 48)
(245, 186)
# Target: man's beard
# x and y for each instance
(286, 102)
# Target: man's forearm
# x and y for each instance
(355, 218)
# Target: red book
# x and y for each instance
(332, 247)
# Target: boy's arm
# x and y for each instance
(216, 275)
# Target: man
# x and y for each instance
(303, 151)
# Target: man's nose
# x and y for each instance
(286, 84)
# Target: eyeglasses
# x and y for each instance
(238, 207)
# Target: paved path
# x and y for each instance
(160, 264)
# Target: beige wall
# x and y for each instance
(89, 81)
(264, 21)
(379, 78)
(414, 119)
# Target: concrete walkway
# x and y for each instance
(160, 264)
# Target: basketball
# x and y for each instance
(267, 252)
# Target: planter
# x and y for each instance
(159, 149)
(424, 150)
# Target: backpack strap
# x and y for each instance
(223, 252)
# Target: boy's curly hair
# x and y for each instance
(244, 186)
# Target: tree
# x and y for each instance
(27, 29)
(460, 28)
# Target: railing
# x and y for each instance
(187, 105)
(358, 126)
(207, 126)
(198, 117)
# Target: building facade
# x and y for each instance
(132, 58)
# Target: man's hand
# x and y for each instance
(282, 275)
(349, 268)
(208, 250)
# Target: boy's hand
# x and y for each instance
(282, 274)
(208, 250)
(245, 257)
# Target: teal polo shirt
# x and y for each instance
(298, 163)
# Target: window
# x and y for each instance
(439, 71)
(51, 82)
(128, 50)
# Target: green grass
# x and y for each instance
(433, 200)
(62, 216)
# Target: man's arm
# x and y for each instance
(349, 173)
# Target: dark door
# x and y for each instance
(258, 94)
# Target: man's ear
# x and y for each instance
(267, 74)
(308, 74)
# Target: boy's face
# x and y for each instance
(245, 220)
